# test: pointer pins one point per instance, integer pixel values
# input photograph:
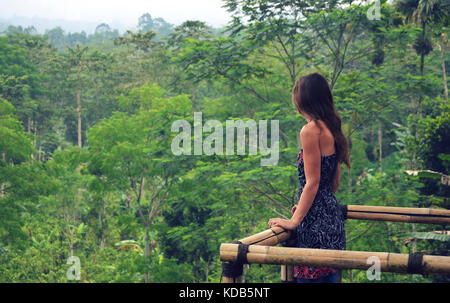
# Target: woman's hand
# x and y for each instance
(283, 223)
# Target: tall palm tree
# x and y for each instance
(423, 13)
(77, 59)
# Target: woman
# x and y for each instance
(317, 218)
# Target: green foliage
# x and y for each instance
(436, 138)
(428, 236)
(132, 211)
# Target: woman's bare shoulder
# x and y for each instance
(309, 135)
(310, 129)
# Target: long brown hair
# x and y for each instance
(312, 95)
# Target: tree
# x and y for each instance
(19, 80)
(78, 61)
(102, 28)
(298, 29)
(191, 29)
(65, 202)
(143, 43)
(133, 152)
(36, 109)
(145, 23)
(159, 25)
(56, 37)
(21, 182)
(423, 13)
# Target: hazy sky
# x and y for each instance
(126, 12)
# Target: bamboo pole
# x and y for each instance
(399, 214)
(398, 218)
(287, 273)
(287, 270)
(399, 210)
(389, 262)
(269, 237)
(232, 280)
(272, 236)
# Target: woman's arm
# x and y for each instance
(312, 161)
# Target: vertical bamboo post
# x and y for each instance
(287, 273)
(287, 270)
(232, 280)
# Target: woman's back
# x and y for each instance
(323, 226)
(326, 139)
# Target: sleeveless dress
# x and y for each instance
(324, 224)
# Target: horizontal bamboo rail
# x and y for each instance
(398, 214)
(270, 237)
(389, 262)
(400, 210)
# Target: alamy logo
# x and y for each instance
(374, 271)
(213, 144)
(374, 12)
(74, 271)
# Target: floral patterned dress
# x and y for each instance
(324, 224)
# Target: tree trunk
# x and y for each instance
(147, 253)
(419, 105)
(444, 73)
(422, 63)
(30, 122)
(39, 153)
(79, 114)
(2, 186)
(207, 270)
(193, 100)
(380, 147)
(197, 268)
(293, 79)
(349, 170)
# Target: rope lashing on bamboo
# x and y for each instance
(415, 263)
(272, 236)
(389, 262)
(242, 253)
(234, 269)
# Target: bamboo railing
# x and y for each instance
(398, 214)
(257, 248)
(345, 259)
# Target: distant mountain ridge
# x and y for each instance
(69, 26)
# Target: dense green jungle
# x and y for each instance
(87, 168)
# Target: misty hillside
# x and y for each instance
(43, 24)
